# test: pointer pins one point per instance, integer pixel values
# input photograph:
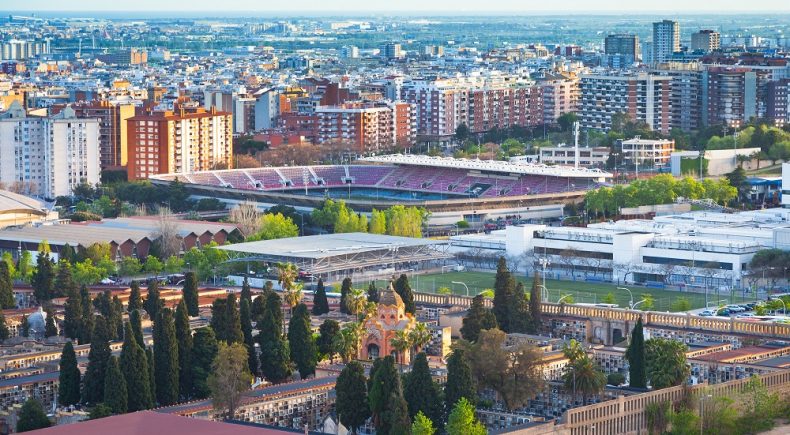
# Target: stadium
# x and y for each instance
(451, 189)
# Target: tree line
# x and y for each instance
(397, 220)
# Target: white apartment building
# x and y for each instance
(666, 40)
(642, 97)
(51, 155)
(566, 155)
(647, 152)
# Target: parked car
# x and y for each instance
(735, 308)
(723, 312)
(707, 313)
(744, 315)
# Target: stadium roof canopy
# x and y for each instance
(489, 166)
(328, 253)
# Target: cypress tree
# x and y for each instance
(372, 373)
(184, 340)
(5, 333)
(535, 307)
(50, 329)
(219, 321)
(115, 392)
(635, 354)
(420, 392)
(257, 308)
(135, 303)
(373, 292)
(117, 317)
(275, 354)
(24, 329)
(403, 289)
(166, 358)
(386, 397)
(68, 254)
(190, 293)
(518, 311)
(149, 358)
(345, 288)
(300, 339)
(233, 333)
(32, 416)
(327, 333)
(72, 315)
(43, 278)
(477, 319)
(64, 282)
(459, 381)
(351, 403)
(246, 328)
(137, 328)
(93, 385)
(134, 367)
(87, 315)
(204, 350)
(504, 287)
(246, 291)
(153, 303)
(320, 303)
(6, 287)
(69, 377)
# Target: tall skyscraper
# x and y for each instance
(666, 40)
(705, 40)
(621, 50)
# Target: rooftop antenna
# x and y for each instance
(576, 144)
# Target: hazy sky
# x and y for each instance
(360, 6)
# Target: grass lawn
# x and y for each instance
(584, 292)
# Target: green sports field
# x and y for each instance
(582, 292)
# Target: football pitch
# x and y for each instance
(581, 291)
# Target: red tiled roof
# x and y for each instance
(150, 423)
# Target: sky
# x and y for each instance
(351, 7)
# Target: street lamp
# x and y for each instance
(545, 295)
(544, 263)
(640, 302)
(631, 302)
(566, 296)
(460, 283)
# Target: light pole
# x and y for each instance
(566, 296)
(460, 283)
(640, 302)
(631, 302)
(544, 263)
(702, 410)
(545, 295)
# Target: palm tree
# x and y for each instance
(420, 336)
(400, 342)
(347, 342)
(356, 301)
(584, 376)
(573, 351)
(286, 277)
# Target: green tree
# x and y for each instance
(422, 425)
(245, 317)
(320, 303)
(504, 288)
(190, 293)
(246, 291)
(69, 377)
(345, 289)
(153, 265)
(403, 289)
(87, 316)
(135, 303)
(115, 392)
(609, 298)
(420, 392)
(5, 333)
(6, 287)
(50, 329)
(477, 319)
(461, 132)
(518, 311)
(328, 330)
(204, 348)
(300, 339)
(352, 397)
(275, 226)
(72, 316)
(275, 354)
(684, 422)
(149, 357)
(230, 377)
(680, 303)
(373, 293)
(43, 278)
(153, 303)
(460, 382)
(32, 416)
(583, 376)
(535, 304)
(386, 396)
(24, 266)
(166, 358)
(635, 354)
(666, 362)
(232, 333)
(129, 266)
(184, 340)
(378, 222)
(137, 328)
(134, 367)
(99, 354)
(462, 420)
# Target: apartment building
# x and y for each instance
(646, 152)
(503, 107)
(706, 41)
(22, 50)
(685, 93)
(621, 50)
(666, 40)
(112, 129)
(733, 95)
(643, 97)
(440, 106)
(235, 101)
(566, 155)
(778, 102)
(48, 156)
(561, 94)
(368, 127)
(184, 140)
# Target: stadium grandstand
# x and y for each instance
(449, 188)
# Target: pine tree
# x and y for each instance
(117, 317)
(351, 402)
(320, 303)
(69, 377)
(345, 288)
(134, 366)
(153, 303)
(373, 292)
(326, 338)
(149, 358)
(87, 316)
(245, 317)
(32, 416)
(233, 333)
(6, 287)
(422, 425)
(204, 350)
(504, 287)
(477, 319)
(635, 354)
(5, 333)
(72, 316)
(386, 398)
(190, 293)
(518, 311)
(535, 307)
(135, 303)
(219, 322)
(43, 278)
(184, 339)
(68, 254)
(50, 328)
(115, 392)
(403, 289)
(64, 282)
(166, 358)
(246, 291)
(420, 392)
(275, 355)
(137, 328)
(300, 339)
(93, 384)
(460, 383)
